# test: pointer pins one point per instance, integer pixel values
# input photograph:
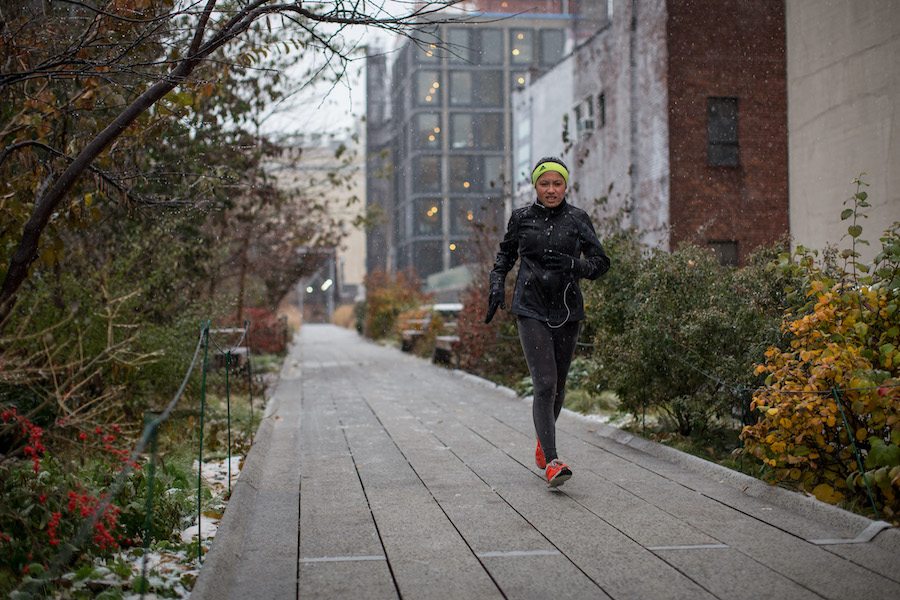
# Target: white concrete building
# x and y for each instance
(843, 116)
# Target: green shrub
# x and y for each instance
(489, 350)
(678, 333)
(386, 298)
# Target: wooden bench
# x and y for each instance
(413, 333)
(445, 350)
(423, 324)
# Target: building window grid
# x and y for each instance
(410, 247)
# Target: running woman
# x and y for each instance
(558, 246)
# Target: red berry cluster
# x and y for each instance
(31, 432)
(106, 439)
(85, 506)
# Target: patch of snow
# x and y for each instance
(168, 569)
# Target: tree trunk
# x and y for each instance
(44, 208)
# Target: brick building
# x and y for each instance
(679, 108)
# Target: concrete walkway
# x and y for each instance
(379, 475)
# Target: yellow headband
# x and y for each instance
(549, 166)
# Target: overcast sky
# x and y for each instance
(327, 108)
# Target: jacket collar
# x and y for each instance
(550, 211)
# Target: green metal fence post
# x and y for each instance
(850, 434)
(200, 459)
(148, 518)
(228, 414)
(249, 375)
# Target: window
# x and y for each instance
(491, 46)
(427, 84)
(553, 43)
(462, 134)
(427, 53)
(584, 117)
(463, 173)
(489, 88)
(475, 46)
(469, 212)
(476, 174)
(460, 253)
(521, 44)
(459, 50)
(476, 130)
(461, 88)
(427, 216)
(427, 174)
(464, 214)
(519, 80)
(476, 88)
(722, 132)
(725, 252)
(428, 258)
(427, 131)
(493, 173)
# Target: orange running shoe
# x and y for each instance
(539, 457)
(557, 473)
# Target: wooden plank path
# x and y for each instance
(377, 475)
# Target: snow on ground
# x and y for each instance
(172, 569)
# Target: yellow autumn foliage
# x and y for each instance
(836, 388)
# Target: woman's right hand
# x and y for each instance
(496, 300)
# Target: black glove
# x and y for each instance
(496, 299)
(558, 262)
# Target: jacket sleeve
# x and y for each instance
(597, 261)
(508, 254)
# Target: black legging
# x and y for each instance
(548, 352)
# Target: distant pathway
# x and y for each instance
(412, 481)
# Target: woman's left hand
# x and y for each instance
(563, 263)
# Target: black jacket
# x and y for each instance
(540, 293)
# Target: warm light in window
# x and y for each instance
(437, 129)
(432, 211)
(430, 138)
(521, 80)
(470, 216)
(504, 5)
(466, 184)
(436, 85)
(515, 51)
(429, 54)
(521, 36)
(427, 98)
(453, 246)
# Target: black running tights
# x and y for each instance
(548, 352)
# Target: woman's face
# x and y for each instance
(551, 189)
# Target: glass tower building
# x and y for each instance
(439, 134)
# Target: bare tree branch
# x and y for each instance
(198, 51)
